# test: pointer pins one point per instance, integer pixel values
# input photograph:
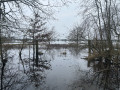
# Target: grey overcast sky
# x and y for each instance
(66, 19)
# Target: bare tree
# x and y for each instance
(77, 34)
(12, 14)
(12, 17)
(36, 30)
(102, 17)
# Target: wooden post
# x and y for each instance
(89, 47)
(36, 53)
(1, 53)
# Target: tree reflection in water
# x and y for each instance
(106, 74)
(75, 51)
(103, 75)
(27, 75)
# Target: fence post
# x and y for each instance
(36, 53)
(89, 47)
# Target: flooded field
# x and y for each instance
(57, 69)
(59, 45)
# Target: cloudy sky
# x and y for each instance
(66, 19)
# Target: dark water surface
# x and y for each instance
(57, 69)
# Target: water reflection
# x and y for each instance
(54, 69)
(76, 50)
(106, 74)
(27, 74)
(103, 75)
(9, 77)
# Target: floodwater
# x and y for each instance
(56, 69)
(64, 69)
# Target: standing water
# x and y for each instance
(58, 69)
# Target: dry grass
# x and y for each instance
(113, 55)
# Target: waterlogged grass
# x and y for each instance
(14, 46)
(65, 45)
